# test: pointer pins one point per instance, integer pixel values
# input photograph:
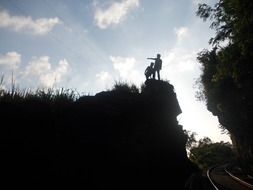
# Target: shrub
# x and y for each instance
(124, 87)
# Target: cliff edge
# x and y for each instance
(113, 140)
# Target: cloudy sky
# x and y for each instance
(87, 45)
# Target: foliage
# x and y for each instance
(49, 95)
(207, 153)
(232, 20)
(124, 87)
(226, 81)
(204, 153)
(52, 95)
(191, 139)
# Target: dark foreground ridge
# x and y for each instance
(113, 140)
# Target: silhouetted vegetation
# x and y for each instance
(45, 95)
(124, 87)
(191, 139)
(207, 154)
(117, 139)
(226, 81)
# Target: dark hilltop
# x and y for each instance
(117, 139)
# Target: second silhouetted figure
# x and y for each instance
(157, 66)
(149, 71)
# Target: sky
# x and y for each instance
(88, 45)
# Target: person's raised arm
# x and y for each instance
(151, 58)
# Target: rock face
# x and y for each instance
(113, 140)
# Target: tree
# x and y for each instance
(226, 81)
(207, 153)
(191, 139)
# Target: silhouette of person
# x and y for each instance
(149, 70)
(157, 66)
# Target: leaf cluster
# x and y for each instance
(207, 153)
(125, 88)
(49, 95)
(226, 81)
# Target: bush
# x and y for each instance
(124, 87)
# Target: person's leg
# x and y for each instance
(158, 74)
(154, 74)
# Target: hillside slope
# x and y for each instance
(113, 140)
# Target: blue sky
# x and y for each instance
(87, 45)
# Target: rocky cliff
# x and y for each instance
(113, 140)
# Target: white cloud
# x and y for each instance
(181, 33)
(178, 61)
(103, 76)
(125, 66)
(39, 26)
(114, 14)
(40, 69)
(10, 59)
(104, 80)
